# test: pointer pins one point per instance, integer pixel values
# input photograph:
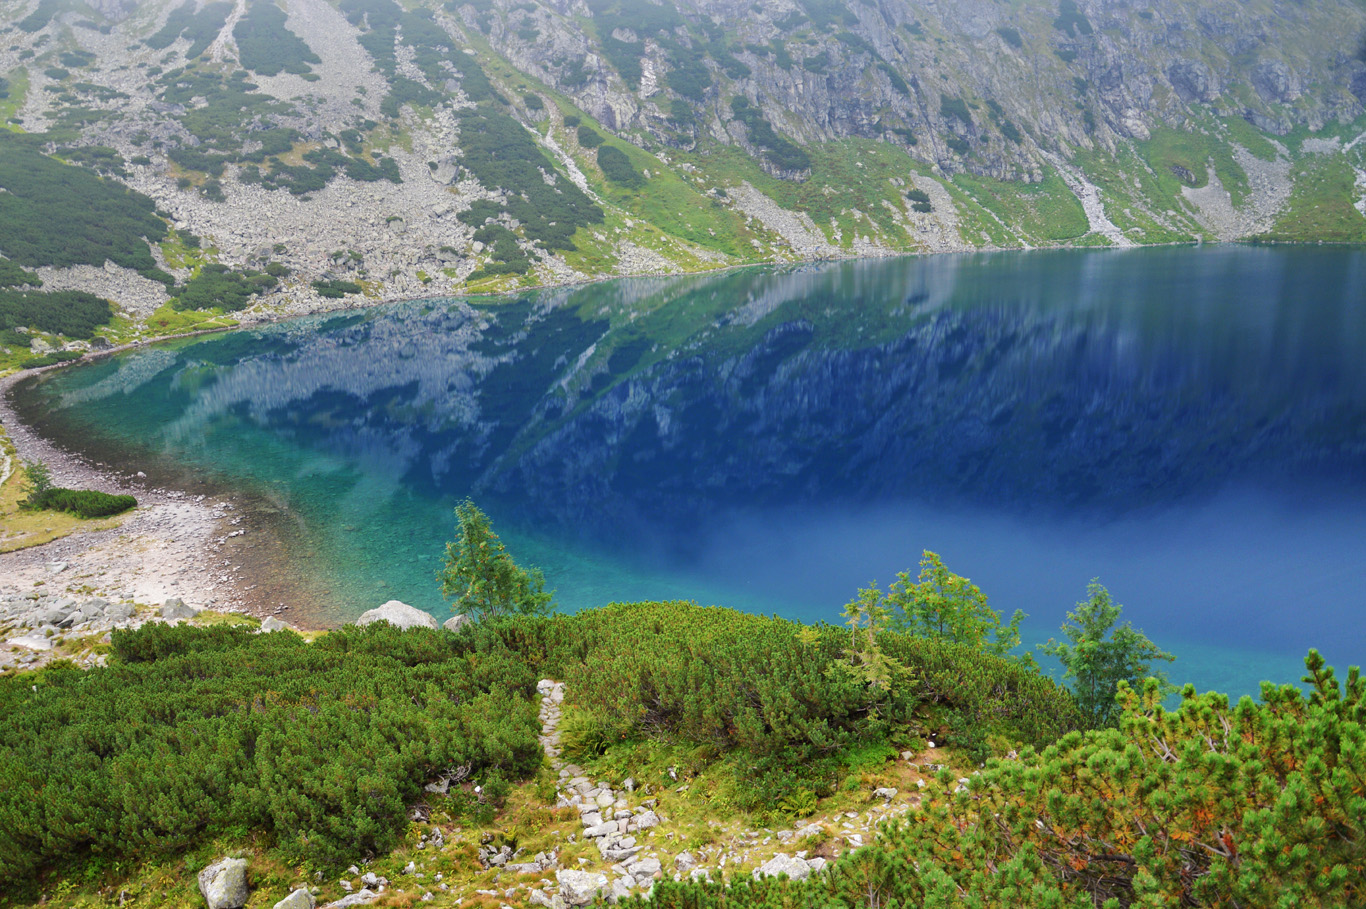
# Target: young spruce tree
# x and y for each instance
(1098, 656)
(480, 576)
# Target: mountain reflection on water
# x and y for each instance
(1082, 390)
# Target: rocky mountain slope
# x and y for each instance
(287, 156)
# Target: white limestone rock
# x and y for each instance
(224, 884)
(398, 614)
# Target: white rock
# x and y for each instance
(782, 863)
(175, 608)
(886, 793)
(270, 623)
(644, 869)
(32, 642)
(538, 898)
(607, 828)
(224, 884)
(398, 614)
(359, 898)
(646, 819)
(579, 888)
(299, 899)
(457, 622)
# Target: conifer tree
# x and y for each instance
(949, 607)
(481, 576)
(1098, 656)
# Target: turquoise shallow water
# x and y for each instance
(1188, 425)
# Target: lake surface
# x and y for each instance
(1188, 425)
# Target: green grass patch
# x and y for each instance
(1294, 139)
(1250, 138)
(12, 101)
(1144, 212)
(847, 175)
(1321, 205)
(1046, 211)
(169, 321)
(1182, 159)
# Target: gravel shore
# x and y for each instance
(176, 545)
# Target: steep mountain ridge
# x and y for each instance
(313, 151)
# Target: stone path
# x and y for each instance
(608, 816)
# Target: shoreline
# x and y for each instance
(175, 545)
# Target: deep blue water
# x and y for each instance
(1188, 425)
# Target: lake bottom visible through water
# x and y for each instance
(1188, 426)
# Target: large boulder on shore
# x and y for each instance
(400, 615)
(457, 622)
(224, 884)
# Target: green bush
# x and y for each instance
(219, 286)
(588, 137)
(955, 109)
(780, 152)
(51, 359)
(1071, 20)
(1258, 804)
(817, 63)
(56, 214)
(335, 288)
(83, 503)
(502, 155)
(40, 17)
(618, 168)
(193, 731)
(200, 28)
(774, 690)
(73, 313)
(267, 46)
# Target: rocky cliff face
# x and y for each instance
(401, 152)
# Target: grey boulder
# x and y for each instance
(51, 615)
(270, 623)
(32, 642)
(224, 884)
(118, 611)
(398, 614)
(457, 622)
(299, 899)
(782, 863)
(359, 898)
(175, 608)
(579, 888)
